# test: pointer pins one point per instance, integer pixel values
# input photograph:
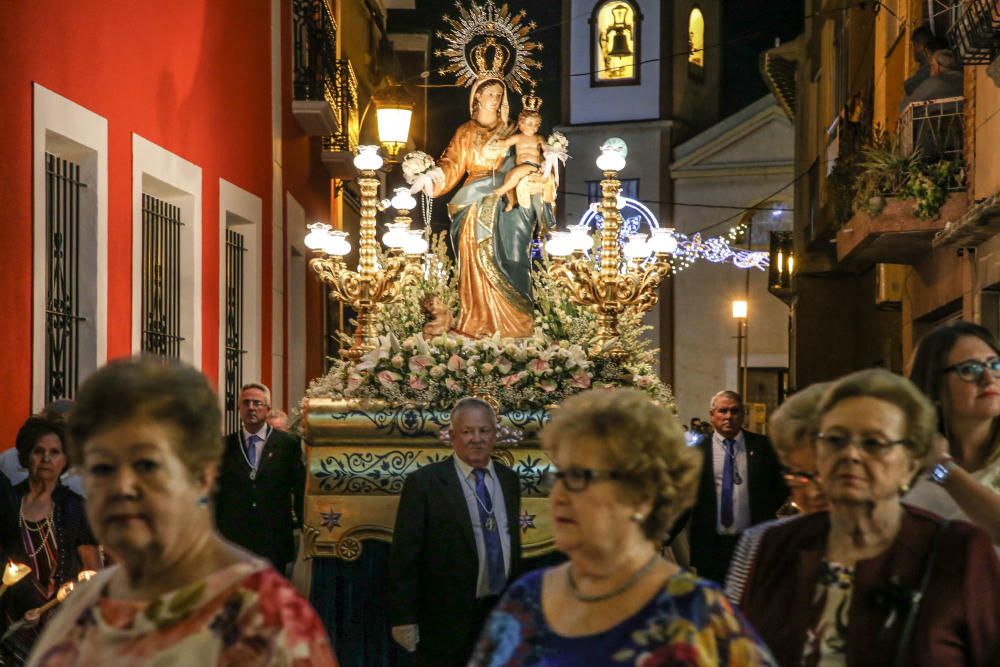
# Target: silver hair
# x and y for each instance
(261, 387)
(725, 393)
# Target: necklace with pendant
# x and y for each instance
(490, 524)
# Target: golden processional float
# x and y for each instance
(526, 314)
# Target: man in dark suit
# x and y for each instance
(456, 543)
(741, 485)
(258, 499)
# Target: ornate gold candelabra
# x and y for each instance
(613, 286)
(366, 289)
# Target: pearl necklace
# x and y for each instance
(42, 528)
(629, 583)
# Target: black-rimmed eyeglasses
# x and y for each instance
(578, 479)
(869, 444)
(973, 371)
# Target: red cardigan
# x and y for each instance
(959, 617)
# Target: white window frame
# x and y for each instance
(164, 175)
(242, 210)
(64, 128)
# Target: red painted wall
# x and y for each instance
(192, 76)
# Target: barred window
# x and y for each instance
(161, 277)
(235, 252)
(62, 281)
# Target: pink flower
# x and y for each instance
(513, 379)
(451, 384)
(419, 362)
(354, 381)
(388, 379)
(548, 385)
(538, 366)
(455, 363)
(580, 380)
(643, 381)
(416, 382)
(504, 365)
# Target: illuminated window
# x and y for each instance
(614, 28)
(696, 41)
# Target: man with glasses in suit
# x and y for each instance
(258, 500)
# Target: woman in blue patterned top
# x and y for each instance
(622, 475)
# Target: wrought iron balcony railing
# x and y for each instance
(345, 87)
(976, 33)
(936, 127)
(315, 42)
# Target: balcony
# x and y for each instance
(895, 235)
(976, 33)
(314, 103)
(339, 147)
(935, 128)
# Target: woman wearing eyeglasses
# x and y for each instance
(622, 474)
(958, 366)
(792, 429)
(872, 581)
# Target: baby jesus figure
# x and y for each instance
(527, 153)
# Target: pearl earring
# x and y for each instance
(638, 517)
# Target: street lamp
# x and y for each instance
(393, 111)
(740, 315)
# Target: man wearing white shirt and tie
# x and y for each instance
(456, 544)
(258, 499)
(741, 485)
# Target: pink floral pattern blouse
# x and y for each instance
(246, 615)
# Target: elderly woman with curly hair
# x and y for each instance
(147, 434)
(792, 428)
(872, 581)
(622, 475)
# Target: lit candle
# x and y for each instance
(13, 573)
(85, 575)
(33, 615)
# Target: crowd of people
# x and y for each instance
(863, 531)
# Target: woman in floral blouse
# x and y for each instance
(147, 434)
(623, 473)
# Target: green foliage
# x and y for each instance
(887, 172)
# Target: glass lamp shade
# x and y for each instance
(393, 124)
(559, 244)
(316, 239)
(415, 243)
(739, 310)
(337, 244)
(580, 238)
(636, 247)
(368, 158)
(402, 200)
(662, 240)
(395, 235)
(610, 161)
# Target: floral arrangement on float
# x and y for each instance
(414, 368)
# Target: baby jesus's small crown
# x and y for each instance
(531, 102)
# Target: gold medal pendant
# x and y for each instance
(253, 474)
(491, 525)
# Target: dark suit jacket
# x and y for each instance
(434, 565)
(710, 552)
(261, 514)
(958, 621)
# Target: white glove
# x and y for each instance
(407, 636)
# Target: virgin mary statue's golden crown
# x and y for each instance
(501, 40)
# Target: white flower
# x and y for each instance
(558, 141)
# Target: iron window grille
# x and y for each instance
(161, 277)
(976, 32)
(314, 38)
(62, 281)
(235, 252)
(345, 109)
(935, 127)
